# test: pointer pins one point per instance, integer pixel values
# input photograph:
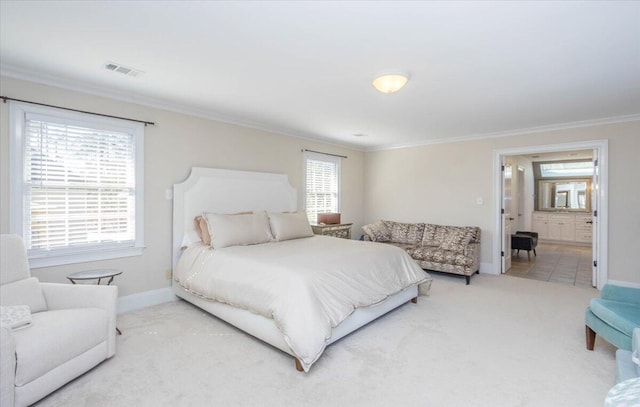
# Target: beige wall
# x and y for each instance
(175, 144)
(439, 183)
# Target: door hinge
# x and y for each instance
(502, 211)
(502, 254)
(595, 263)
(595, 213)
(595, 162)
(502, 168)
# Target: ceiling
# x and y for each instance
(477, 69)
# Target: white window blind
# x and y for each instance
(322, 174)
(79, 187)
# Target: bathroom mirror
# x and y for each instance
(564, 195)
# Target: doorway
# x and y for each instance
(501, 240)
(557, 263)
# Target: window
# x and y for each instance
(322, 185)
(76, 185)
(566, 169)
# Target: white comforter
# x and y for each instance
(307, 286)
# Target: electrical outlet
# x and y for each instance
(168, 274)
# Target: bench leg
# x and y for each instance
(468, 279)
(590, 335)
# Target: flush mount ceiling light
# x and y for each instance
(390, 82)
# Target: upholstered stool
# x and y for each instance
(523, 242)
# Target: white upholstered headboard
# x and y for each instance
(226, 191)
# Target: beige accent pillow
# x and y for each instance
(202, 228)
(286, 226)
(238, 230)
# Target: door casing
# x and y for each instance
(601, 147)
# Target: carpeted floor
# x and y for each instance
(501, 341)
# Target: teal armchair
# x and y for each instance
(613, 316)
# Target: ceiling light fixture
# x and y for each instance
(390, 82)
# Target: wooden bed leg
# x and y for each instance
(414, 300)
(298, 365)
(590, 335)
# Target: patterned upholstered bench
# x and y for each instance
(448, 249)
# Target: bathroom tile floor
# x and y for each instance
(558, 263)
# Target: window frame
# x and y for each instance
(308, 155)
(62, 256)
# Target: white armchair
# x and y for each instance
(73, 329)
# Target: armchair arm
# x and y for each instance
(622, 294)
(7, 367)
(64, 296)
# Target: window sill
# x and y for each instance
(82, 257)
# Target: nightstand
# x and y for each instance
(341, 230)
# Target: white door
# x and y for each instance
(595, 191)
(520, 221)
(507, 216)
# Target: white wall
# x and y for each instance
(175, 144)
(439, 183)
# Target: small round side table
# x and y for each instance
(96, 274)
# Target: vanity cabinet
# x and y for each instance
(584, 228)
(541, 224)
(562, 226)
(565, 227)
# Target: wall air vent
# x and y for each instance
(125, 70)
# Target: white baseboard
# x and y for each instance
(145, 299)
(624, 283)
(487, 268)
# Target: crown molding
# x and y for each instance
(517, 132)
(129, 97)
(103, 91)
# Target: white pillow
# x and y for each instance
(291, 225)
(27, 291)
(238, 230)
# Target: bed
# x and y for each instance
(298, 295)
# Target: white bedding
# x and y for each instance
(307, 286)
